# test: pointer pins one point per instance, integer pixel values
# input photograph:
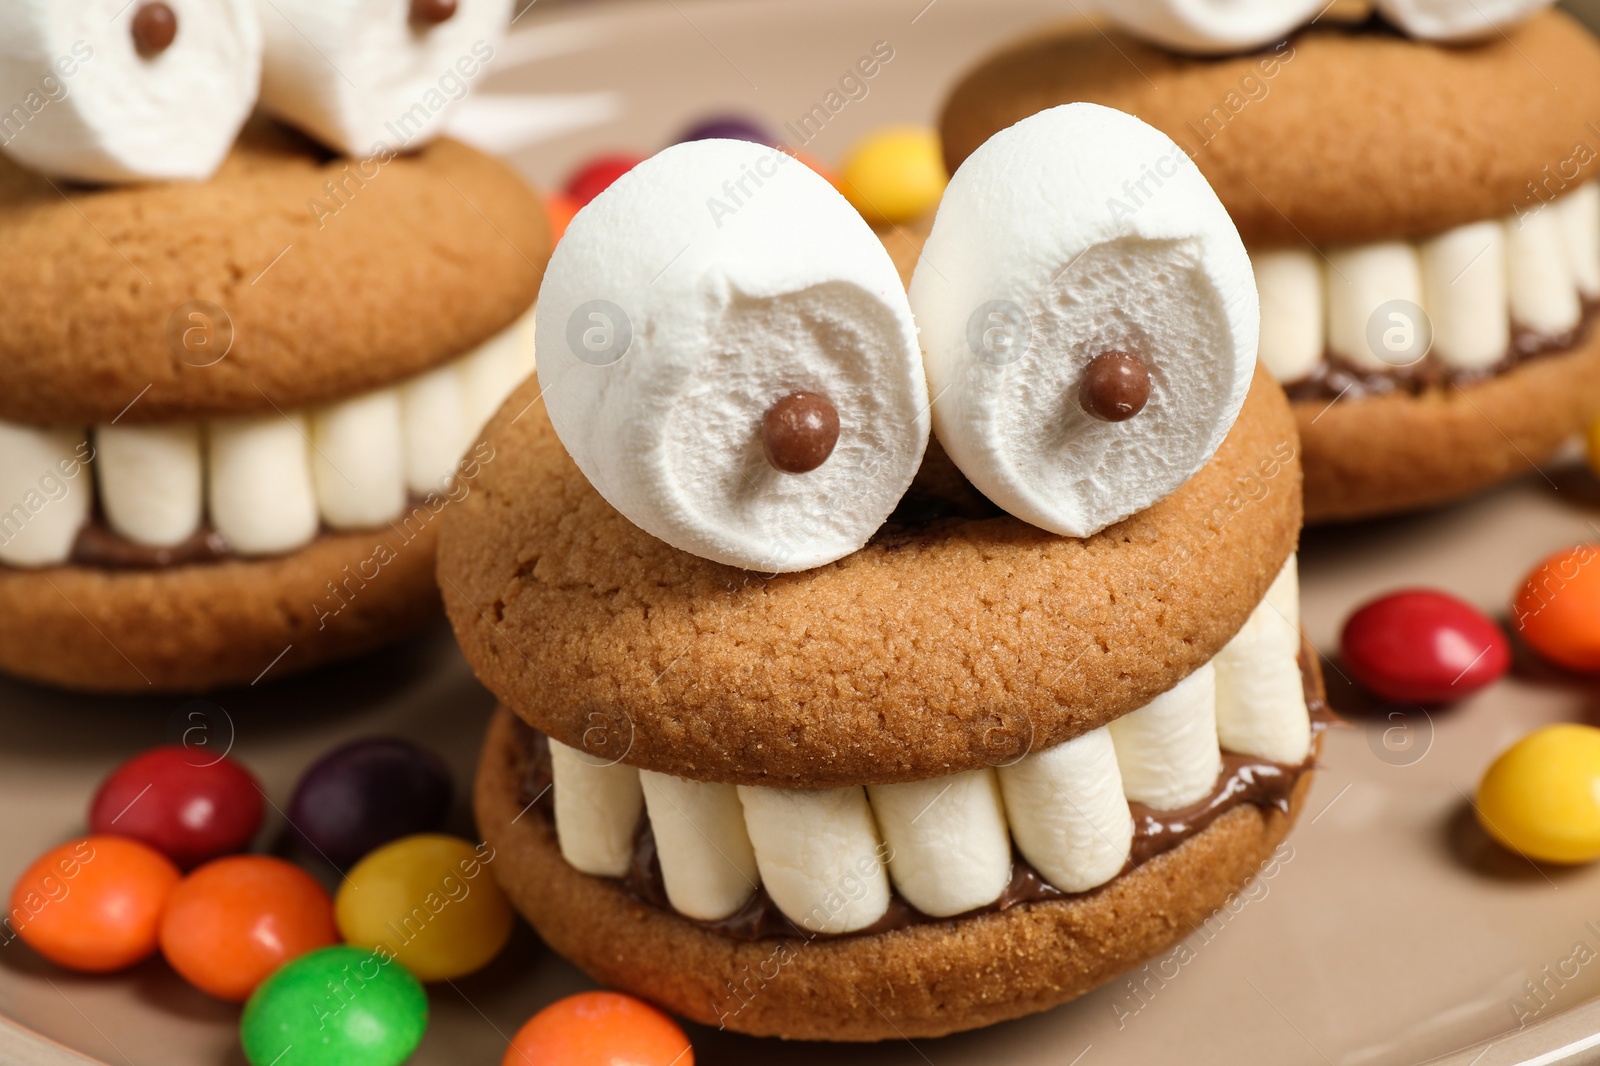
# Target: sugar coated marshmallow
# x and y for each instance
(728, 355)
(1089, 318)
(1457, 20)
(113, 90)
(1210, 27)
(362, 76)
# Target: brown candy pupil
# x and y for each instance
(799, 431)
(155, 27)
(432, 12)
(1115, 386)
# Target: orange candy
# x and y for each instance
(1557, 610)
(93, 904)
(559, 209)
(235, 920)
(599, 1029)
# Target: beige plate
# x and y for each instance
(1394, 934)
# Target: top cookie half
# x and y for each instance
(318, 276)
(1341, 134)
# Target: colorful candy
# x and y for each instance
(1541, 797)
(894, 175)
(599, 1029)
(559, 209)
(93, 904)
(596, 176)
(235, 920)
(1557, 610)
(1422, 646)
(728, 127)
(338, 1006)
(187, 804)
(367, 793)
(430, 901)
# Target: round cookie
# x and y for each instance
(881, 667)
(1398, 452)
(332, 272)
(199, 627)
(1302, 141)
(922, 981)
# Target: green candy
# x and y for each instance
(338, 1006)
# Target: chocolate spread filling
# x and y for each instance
(1244, 779)
(1334, 378)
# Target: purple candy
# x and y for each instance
(361, 796)
(727, 127)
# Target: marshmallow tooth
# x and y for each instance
(1089, 317)
(1210, 27)
(1292, 327)
(152, 481)
(598, 804)
(707, 863)
(1464, 285)
(494, 370)
(1580, 226)
(1261, 699)
(45, 493)
(1067, 811)
(358, 462)
(1167, 749)
(259, 483)
(949, 850)
(727, 352)
(1544, 292)
(1457, 20)
(112, 90)
(362, 76)
(1374, 295)
(819, 855)
(436, 428)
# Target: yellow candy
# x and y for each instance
(895, 174)
(1542, 795)
(430, 901)
(1592, 438)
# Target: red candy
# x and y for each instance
(93, 904)
(1421, 646)
(189, 805)
(234, 921)
(599, 1029)
(594, 177)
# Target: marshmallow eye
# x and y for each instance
(1091, 337)
(1214, 26)
(119, 91)
(742, 382)
(1456, 20)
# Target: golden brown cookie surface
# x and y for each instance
(939, 647)
(1340, 135)
(336, 275)
(199, 627)
(926, 980)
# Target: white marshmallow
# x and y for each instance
(493, 370)
(1167, 749)
(1210, 27)
(360, 77)
(1457, 20)
(1067, 812)
(259, 483)
(1293, 333)
(1361, 280)
(598, 805)
(117, 115)
(1580, 229)
(45, 493)
(1261, 700)
(357, 460)
(435, 427)
(1040, 259)
(1284, 592)
(1544, 292)
(711, 281)
(707, 863)
(949, 850)
(1464, 290)
(152, 481)
(819, 855)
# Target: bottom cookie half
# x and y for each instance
(926, 980)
